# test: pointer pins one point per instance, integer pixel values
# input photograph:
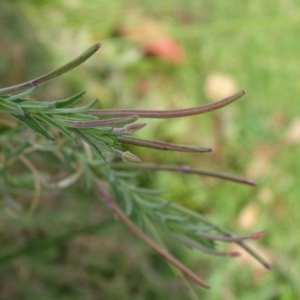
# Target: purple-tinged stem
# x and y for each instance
(130, 128)
(160, 145)
(164, 114)
(222, 238)
(146, 239)
(51, 75)
(253, 253)
(185, 169)
(223, 231)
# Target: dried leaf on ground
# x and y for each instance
(151, 37)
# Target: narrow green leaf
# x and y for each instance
(69, 101)
(98, 132)
(90, 141)
(128, 201)
(102, 146)
(10, 107)
(147, 191)
(101, 136)
(153, 205)
(36, 106)
(109, 139)
(21, 95)
(166, 217)
(34, 125)
(75, 110)
(104, 122)
(75, 117)
(55, 103)
(54, 123)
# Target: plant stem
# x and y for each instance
(161, 145)
(55, 73)
(181, 276)
(228, 239)
(204, 249)
(165, 114)
(134, 229)
(183, 169)
(225, 232)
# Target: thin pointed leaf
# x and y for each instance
(128, 201)
(69, 101)
(100, 138)
(54, 123)
(36, 106)
(99, 143)
(153, 205)
(90, 142)
(75, 117)
(55, 103)
(75, 110)
(146, 191)
(34, 125)
(105, 122)
(99, 133)
(191, 243)
(21, 95)
(10, 107)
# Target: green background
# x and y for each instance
(80, 253)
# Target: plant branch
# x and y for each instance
(223, 231)
(53, 74)
(165, 114)
(228, 239)
(183, 169)
(178, 272)
(192, 243)
(135, 230)
(161, 145)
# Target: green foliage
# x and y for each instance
(95, 159)
(256, 44)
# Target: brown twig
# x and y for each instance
(146, 239)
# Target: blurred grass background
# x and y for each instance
(71, 249)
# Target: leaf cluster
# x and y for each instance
(99, 136)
